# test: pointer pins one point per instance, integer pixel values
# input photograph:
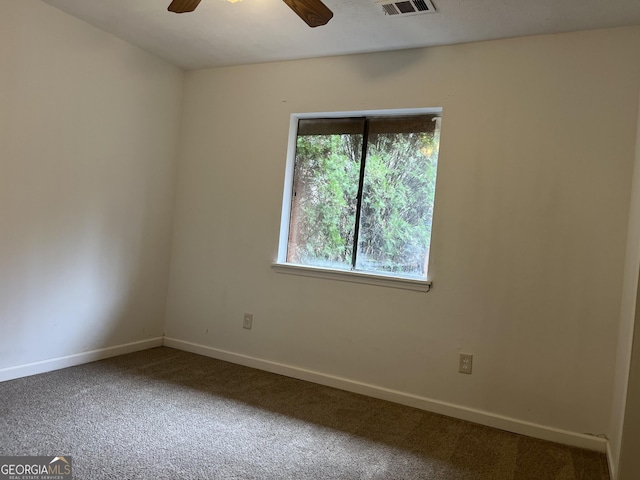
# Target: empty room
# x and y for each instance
(360, 239)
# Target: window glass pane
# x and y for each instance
(398, 194)
(325, 187)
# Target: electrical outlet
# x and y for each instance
(466, 363)
(248, 321)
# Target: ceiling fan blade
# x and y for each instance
(183, 6)
(313, 12)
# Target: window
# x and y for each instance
(359, 196)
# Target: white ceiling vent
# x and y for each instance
(406, 7)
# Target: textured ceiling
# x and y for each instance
(220, 33)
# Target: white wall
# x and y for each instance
(529, 231)
(629, 463)
(625, 417)
(88, 143)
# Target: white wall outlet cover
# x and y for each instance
(466, 363)
(248, 321)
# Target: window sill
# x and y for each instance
(354, 277)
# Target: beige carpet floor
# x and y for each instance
(167, 414)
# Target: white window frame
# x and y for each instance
(282, 266)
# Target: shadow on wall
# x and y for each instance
(80, 271)
(87, 151)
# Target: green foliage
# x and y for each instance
(399, 189)
(397, 202)
(326, 185)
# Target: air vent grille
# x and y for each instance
(406, 7)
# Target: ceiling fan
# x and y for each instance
(313, 12)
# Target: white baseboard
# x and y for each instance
(444, 408)
(43, 366)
